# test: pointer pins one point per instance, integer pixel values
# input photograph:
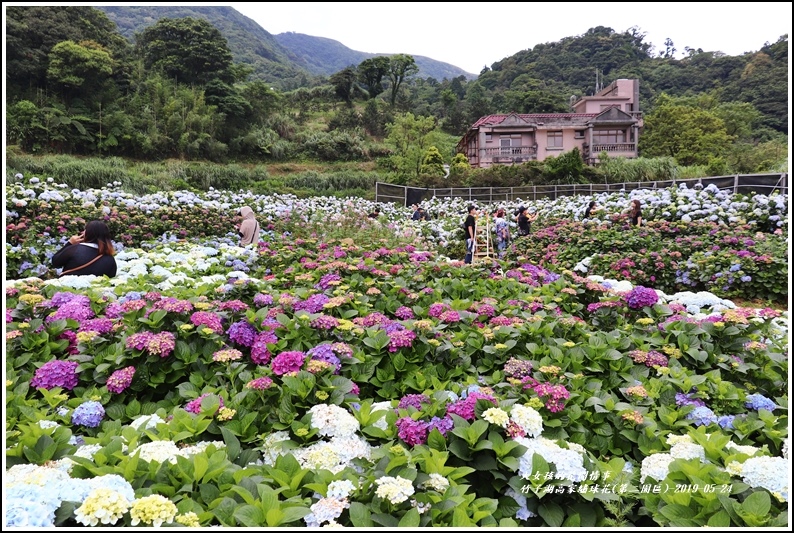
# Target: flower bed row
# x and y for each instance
(317, 382)
(700, 239)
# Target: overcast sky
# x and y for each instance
(472, 35)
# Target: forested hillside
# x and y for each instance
(326, 56)
(76, 86)
(250, 44)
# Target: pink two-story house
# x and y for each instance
(609, 121)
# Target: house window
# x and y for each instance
(578, 134)
(555, 139)
(488, 137)
(609, 136)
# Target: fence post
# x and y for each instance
(735, 184)
(405, 196)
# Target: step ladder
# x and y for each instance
(483, 235)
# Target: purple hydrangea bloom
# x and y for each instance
(326, 280)
(60, 298)
(413, 400)
(325, 353)
(313, 304)
(262, 300)
(401, 339)
(120, 379)
(640, 297)
(759, 401)
(73, 309)
(56, 373)
(205, 318)
(242, 333)
(100, 325)
(443, 425)
(412, 432)
(324, 322)
(702, 416)
(404, 313)
(88, 414)
(194, 406)
(287, 362)
(682, 399)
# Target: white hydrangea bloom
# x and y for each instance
(528, 418)
(569, 464)
(770, 473)
(271, 449)
(745, 449)
(656, 466)
(496, 416)
(325, 510)
(340, 489)
(333, 421)
(395, 489)
(159, 451)
(147, 421)
(437, 482)
(672, 440)
(688, 450)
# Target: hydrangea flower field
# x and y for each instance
(353, 372)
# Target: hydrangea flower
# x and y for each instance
(437, 482)
(702, 416)
(88, 414)
(394, 489)
(194, 406)
(288, 362)
(759, 401)
(120, 380)
(153, 510)
(412, 432)
(56, 373)
(102, 506)
(496, 416)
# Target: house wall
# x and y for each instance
(624, 93)
(569, 142)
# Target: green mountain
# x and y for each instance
(324, 57)
(249, 43)
(287, 61)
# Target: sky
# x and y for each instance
(473, 35)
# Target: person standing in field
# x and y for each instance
(635, 214)
(523, 219)
(470, 229)
(88, 253)
(502, 229)
(249, 228)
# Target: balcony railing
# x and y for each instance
(617, 147)
(509, 154)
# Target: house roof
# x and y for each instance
(535, 117)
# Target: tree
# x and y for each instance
(344, 83)
(432, 163)
(409, 137)
(33, 31)
(188, 50)
(401, 66)
(691, 135)
(371, 72)
(79, 66)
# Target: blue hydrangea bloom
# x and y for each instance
(88, 414)
(702, 416)
(726, 421)
(759, 401)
